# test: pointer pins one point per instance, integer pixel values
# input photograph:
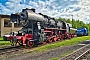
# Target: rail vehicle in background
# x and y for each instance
(38, 28)
(81, 32)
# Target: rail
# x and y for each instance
(78, 54)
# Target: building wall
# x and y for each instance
(7, 30)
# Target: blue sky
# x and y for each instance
(80, 9)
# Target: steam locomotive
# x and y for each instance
(38, 28)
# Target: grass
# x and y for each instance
(56, 58)
(1, 38)
(3, 42)
(69, 42)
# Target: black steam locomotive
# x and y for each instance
(38, 28)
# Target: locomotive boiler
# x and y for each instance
(38, 28)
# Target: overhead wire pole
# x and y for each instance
(88, 29)
(72, 21)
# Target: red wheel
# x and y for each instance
(30, 44)
(44, 42)
(54, 39)
(62, 37)
(58, 39)
(50, 40)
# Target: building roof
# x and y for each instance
(4, 16)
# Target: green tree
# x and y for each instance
(76, 23)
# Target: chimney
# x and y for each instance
(32, 9)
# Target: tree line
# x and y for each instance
(76, 23)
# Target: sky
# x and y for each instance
(80, 9)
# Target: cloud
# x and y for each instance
(80, 9)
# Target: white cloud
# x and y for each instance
(13, 1)
(80, 9)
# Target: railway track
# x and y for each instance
(9, 49)
(83, 55)
(78, 54)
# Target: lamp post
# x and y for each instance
(72, 20)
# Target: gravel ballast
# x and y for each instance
(46, 55)
(53, 53)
